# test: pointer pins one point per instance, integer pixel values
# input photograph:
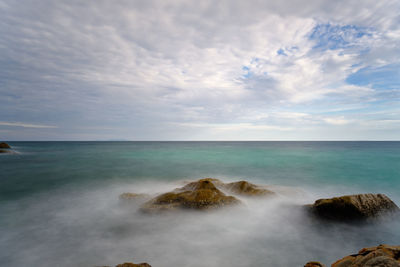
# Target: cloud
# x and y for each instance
(140, 65)
(25, 125)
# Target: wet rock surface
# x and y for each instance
(353, 207)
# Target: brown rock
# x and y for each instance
(354, 207)
(200, 195)
(5, 145)
(245, 188)
(380, 256)
(314, 264)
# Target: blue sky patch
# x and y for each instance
(386, 77)
(281, 52)
(328, 36)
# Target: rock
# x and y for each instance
(314, 264)
(5, 145)
(128, 264)
(245, 188)
(200, 195)
(133, 196)
(380, 256)
(5, 151)
(353, 207)
(192, 185)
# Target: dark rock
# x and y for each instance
(200, 195)
(380, 256)
(353, 207)
(5, 145)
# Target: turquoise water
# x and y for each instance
(59, 201)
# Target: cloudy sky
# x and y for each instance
(200, 70)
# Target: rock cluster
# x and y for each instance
(380, 256)
(353, 207)
(200, 195)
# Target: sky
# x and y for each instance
(200, 70)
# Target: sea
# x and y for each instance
(60, 206)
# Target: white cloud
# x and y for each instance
(25, 125)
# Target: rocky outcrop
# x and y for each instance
(200, 195)
(314, 264)
(380, 256)
(353, 207)
(245, 188)
(4, 145)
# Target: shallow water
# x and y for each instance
(59, 202)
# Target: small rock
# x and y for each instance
(314, 264)
(5, 145)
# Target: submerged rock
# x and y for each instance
(314, 264)
(5, 145)
(353, 207)
(380, 256)
(245, 188)
(200, 195)
(133, 196)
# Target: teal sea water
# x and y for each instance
(59, 202)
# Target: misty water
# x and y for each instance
(59, 202)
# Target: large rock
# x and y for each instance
(353, 207)
(245, 188)
(200, 195)
(380, 256)
(5, 145)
